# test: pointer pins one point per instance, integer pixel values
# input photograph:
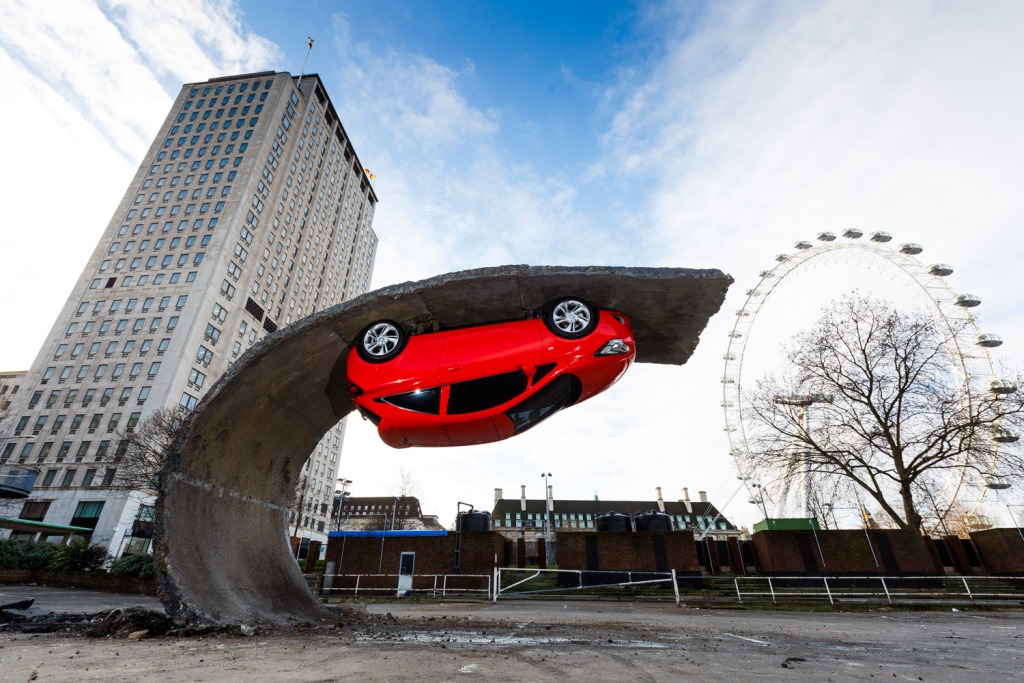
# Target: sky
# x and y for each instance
(598, 132)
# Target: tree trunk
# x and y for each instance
(910, 513)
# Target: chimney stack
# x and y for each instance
(497, 496)
(661, 501)
(551, 499)
(522, 501)
(686, 500)
(703, 496)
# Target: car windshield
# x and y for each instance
(560, 393)
(487, 392)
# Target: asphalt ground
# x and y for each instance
(554, 640)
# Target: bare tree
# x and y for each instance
(406, 508)
(891, 416)
(143, 449)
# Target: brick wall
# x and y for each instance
(434, 554)
(628, 551)
(843, 552)
(1001, 550)
(96, 580)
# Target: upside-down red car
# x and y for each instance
(485, 383)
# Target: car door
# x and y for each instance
(488, 350)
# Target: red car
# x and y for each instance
(489, 382)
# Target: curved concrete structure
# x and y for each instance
(221, 545)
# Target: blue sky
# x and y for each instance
(704, 135)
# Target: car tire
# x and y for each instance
(381, 341)
(570, 317)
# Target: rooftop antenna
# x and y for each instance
(304, 61)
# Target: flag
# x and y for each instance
(367, 171)
(310, 42)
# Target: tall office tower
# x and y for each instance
(250, 211)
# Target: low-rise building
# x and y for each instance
(527, 518)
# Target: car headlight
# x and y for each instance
(615, 347)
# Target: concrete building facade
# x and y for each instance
(250, 211)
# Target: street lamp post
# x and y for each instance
(341, 502)
(547, 510)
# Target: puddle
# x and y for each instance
(437, 637)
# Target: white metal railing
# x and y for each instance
(538, 576)
(891, 589)
(439, 584)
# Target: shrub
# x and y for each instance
(78, 556)
(37, 555)
(132, 565)
(10, 554)
(148, 570)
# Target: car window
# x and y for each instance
(421, 400)
(560, 393)
(488, 392)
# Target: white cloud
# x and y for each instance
(900, 117)
(89, 101)
(191, 39)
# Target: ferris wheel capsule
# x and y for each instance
(1002, 386)
(940, 269)
(911, 248)
(996, 482)
(853, 233)
(803, 244)
(967, 301)
(827, 236)
(988, 341)
(880, 237)
(1001, 434)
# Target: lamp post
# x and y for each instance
(341, 501)
(547, 510)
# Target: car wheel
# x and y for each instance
(381, 341)
(570, 318)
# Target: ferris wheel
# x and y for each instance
(969, 351)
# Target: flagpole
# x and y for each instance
(304, 61)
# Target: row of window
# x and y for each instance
(100, 306)
(242, 87)
(121, 326)
(111, 348)
(64, 450)
(189, 179)
(89, 395)
(77, 421)
(158, 244)
(176, 209)
(87, 513)
(586, 521)
(128, 280)
(100, 372)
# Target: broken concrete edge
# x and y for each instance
(247, 594)
(272, 341)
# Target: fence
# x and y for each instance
(711, 590)
(436, 585)
(538, 581)
(892, 590)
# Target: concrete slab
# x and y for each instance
(220, 540)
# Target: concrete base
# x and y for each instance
(221, 542)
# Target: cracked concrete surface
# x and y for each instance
(221, 541)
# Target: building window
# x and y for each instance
(87, 514)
